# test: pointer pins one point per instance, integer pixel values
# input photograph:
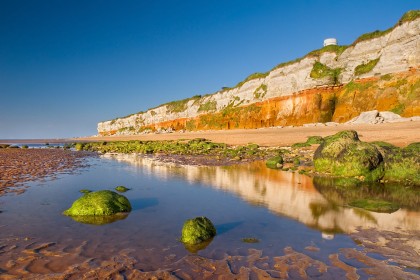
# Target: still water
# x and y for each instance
(280, 209)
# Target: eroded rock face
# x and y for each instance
(286, 94)
(344, 155)
(99, 203)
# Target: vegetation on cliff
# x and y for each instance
(366, 67)
(180, 105)
(408, 16)
(250, 113)
(320, 71)
(209, 106)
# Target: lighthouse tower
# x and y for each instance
(330, 41)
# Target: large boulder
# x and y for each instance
(365, 118)
(344, 155)
(197, 230)
(401, 164)
(99, 203)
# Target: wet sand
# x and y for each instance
(400, 134)
(29, 259)
(18, 166)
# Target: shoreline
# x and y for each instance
(399, 134)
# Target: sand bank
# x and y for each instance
(399, 134)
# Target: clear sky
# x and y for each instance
(66, 65)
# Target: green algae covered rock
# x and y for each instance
(85, 191)
(197, 230)
(250, 240)
(99, 203)
(401, 164)
(310, 141)
(121, 189)
(274, 162)
(344, 155)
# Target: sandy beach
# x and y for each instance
(18, 166)
(400, 134)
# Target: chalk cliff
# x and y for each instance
(379, 71)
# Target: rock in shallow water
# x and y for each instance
(99, 203)
(401, 164)
(274, 162)
(121, 189)
(344, 155)
(197, 230)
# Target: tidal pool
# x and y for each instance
(284, 211)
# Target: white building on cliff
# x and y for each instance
(330, 41)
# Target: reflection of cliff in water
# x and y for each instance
(284, 193)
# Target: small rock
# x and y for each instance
(197, 230)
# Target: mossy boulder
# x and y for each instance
(197, 230)
(85, 191)
(99, 203)
(79, 146)
(401, 164)
(250, 240)
(315, 140)
(344, 155)
(310, 141)
(121, 189)
(274, 162)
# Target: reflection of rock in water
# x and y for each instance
(194, 248)
(343, 191)
(323, 207)
(100, 220)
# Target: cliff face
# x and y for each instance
(335, 83)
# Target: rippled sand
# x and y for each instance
(18, 166)
(31, 260)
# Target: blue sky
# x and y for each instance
(66, 65)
